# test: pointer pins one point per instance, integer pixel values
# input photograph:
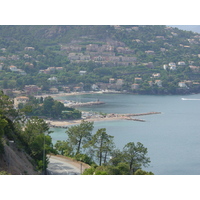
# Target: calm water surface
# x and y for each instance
(172, 138)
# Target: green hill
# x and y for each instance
(103, 52)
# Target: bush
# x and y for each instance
(83, 158)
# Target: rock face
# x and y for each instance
(16, 162)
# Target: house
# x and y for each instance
(92, 47)
(29, 48)
(119, 82)
(53, 90)
(20, 99)
(53, 79)
(95, 87)
(182, 63)
(66, 89)
(165, 67)
(156, 75)
(194, 68)
(13, 68)
(77, 89)
(137, 80)
(111, 80)
(150, 52)
(31, 89)
(135, 86)
(59, 68)
(2, 58)
(82, 72)
(22, 72)
(150, 83)
(158, 83)
(26, 56)
(182, 84)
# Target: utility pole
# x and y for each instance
(44, 170)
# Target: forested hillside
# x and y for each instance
(139, 59)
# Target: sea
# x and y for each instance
(172, 137)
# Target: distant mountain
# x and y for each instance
(193, 28)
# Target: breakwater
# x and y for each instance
(74, 105)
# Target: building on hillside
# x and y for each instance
(29, 48)
(20, 99)
(82, 72)
(111, 80)
(119, 82)
(135, 86)
(182, 84)
(156, 75)
(13, 68)
(31, 89)
(53, 90)
(158, 83)
(165, 67)
(94, 87)
(138, 80)
(53, 79)
(66, 89)
(181, 63)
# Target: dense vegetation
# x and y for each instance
(100, 148)
(152, 46)
(48, 107)
(30, 135)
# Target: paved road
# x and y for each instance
(63, 166)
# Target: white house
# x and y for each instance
(165, 67)
(53, 79)
(182, 84)
(13, 68)
(82, 72)
(182, 63)
(94, 87)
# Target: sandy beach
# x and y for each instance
(62, 123)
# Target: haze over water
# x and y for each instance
(172, 138)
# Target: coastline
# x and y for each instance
(63, 123)
(67, 94)
(109, 117)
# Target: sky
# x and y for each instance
(104, 12)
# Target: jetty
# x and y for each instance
(74, 105)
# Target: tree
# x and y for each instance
(47, 106)
(37, 140)
(79, 135)
(142, 172)
(64, 148)
(102, 144)
(135, 156)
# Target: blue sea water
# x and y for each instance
(172, 137)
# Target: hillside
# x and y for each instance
(15, 161)
(75, 58)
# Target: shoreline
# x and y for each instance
(109, 117)
(67, 94)
(62, 123)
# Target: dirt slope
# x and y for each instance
(16, 162)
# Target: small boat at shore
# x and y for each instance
(186, 99)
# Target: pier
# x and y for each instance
(74, 105)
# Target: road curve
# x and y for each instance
(61, 165)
